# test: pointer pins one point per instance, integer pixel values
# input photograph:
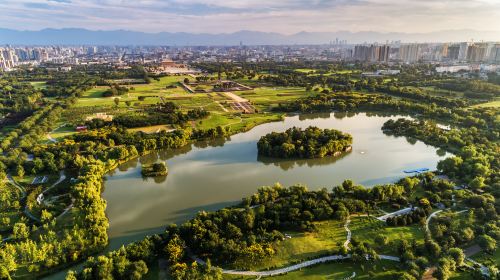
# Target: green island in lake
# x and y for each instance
(311, 142)
(154, 170)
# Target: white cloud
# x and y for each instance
(285, 16)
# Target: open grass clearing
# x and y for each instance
(367, 228)
(493, 104)
(151, 129)
(39, 85)
(328, 237)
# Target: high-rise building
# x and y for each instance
(495, 53)
(409, 53)
(372, 53)
(453, 52)
(8, 59)
(477, 52)
(462, 55)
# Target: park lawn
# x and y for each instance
(492, 104)
(328, 237)
(151, 92)
(380, 270)
(39, 85)
(151, 129)
(237, 122)
(249, 121)
(304, 70)
(264, 97)
(62, 132)
(365, 229)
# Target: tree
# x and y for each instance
(175, 249)
(458, 255)
(20, 231)
(487, 243)
(128, 103)
(20, 171)
(381, 239)
(117, 101)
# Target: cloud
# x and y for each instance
(284, 16)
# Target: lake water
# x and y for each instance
(209, 176)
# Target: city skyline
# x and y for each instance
(286, 16)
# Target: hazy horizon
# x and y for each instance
(284, 17)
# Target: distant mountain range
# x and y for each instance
(77, 36)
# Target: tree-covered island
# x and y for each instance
(311, 142)
(155, 169)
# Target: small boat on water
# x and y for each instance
(420, 170)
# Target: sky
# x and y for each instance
(226, 16)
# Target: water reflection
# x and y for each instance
(212, 174)
(287, 164)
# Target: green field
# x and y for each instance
(373, 270)
(152, 92)
(329, 236)
(366, 229)
(492, 104)
(39, 85)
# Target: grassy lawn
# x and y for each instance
(39, 85)
(377, 270)
(330, 236)
(493, 104)
(151, 129)
(151, 92)
(366, 229)
(264, 97)
(62, 132)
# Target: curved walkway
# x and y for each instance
(50, 136)
(15, 184)
(349, 234)
(301, 265)
(62, 176)
(482, 268)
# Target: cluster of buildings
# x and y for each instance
(175, 59)
(410, 53)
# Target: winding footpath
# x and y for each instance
(301, 265)
(51, 139)
(349, 234)
(482, 268)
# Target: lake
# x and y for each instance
(212, 175)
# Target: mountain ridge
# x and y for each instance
(81, 36)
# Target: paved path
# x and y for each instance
(429, 219)
(434, 214)
(62, 176)
(396, 213)
(295, 266)
(19, 187)
(301, 265)
(469, 251)
(349, 234)
(50, 136)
